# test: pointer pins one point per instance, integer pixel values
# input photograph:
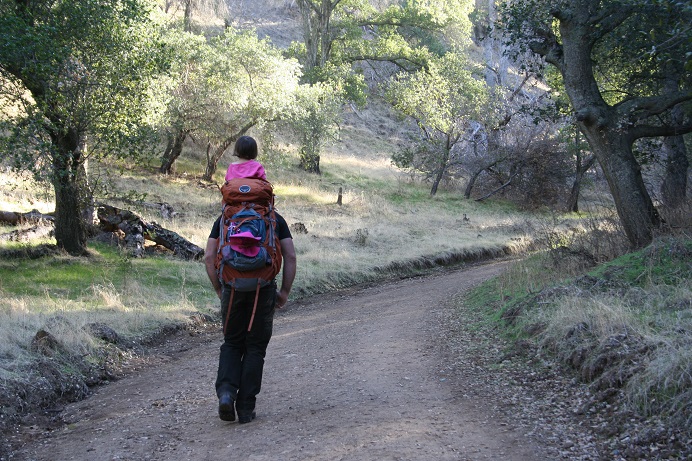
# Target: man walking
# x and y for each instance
(247, 327)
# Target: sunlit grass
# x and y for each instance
(21, 193)
(386, 225)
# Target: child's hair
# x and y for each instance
(245, 147)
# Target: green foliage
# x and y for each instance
(349, 85)
(314, 119)
(442, 99)
(649, 47)
(406, 34)
(646, 43)
(215, 87)
(86, 65)
(664, 263)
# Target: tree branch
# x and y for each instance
(604, 23)
(545, 44)
(650, 131)
(392, 59)
(490, 194)
(637, 109)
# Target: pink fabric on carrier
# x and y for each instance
(249, 169)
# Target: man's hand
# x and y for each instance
(281, 298)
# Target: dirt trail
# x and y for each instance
(352, 376)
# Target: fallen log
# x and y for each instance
(111, 219)
(32, 217)
(166, 210)
(137, 230)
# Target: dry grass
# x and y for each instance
(385, 217)
(21, 193)
(626, 325)
(386, 225)
(657, 321)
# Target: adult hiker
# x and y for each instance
(248, 299)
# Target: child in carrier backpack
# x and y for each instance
(245, 166)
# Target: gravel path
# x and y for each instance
(390, 372)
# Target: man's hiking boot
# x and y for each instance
(246, 418)
(226, 410)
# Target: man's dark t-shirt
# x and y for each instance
(281, 228)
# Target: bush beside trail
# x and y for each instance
(624, 329)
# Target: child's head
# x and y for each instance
(245, 147)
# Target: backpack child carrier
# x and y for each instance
(248, 253)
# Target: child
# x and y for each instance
(245, 166)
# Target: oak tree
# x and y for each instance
(614, 57)
(78, 74)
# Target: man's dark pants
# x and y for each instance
(241, 360)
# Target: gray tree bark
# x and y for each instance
(610, 129)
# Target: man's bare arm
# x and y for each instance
(209, 263)
(289, 271)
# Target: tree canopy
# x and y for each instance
(219, 88)
(615, 58)
(342, 37)
(80, 80)
(443, 99)
(80, 73)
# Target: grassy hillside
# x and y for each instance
(70, 322)
(623, 328)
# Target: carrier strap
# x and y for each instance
(254, 307)
(228, 311)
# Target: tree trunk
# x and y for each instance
(602, 126)
(582, 168)
(674, 186)
(310, 33)
(442, 167)
(70, 228)
(187, 17)
(637, 214)
(213, 159)
(309, 160)
(444, 162)
(88, 211)
(324, 30)
(169, 148)
(580, 171)
(472, 182)
(316, 31)
(174, 152)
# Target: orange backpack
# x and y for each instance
(249, 252)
